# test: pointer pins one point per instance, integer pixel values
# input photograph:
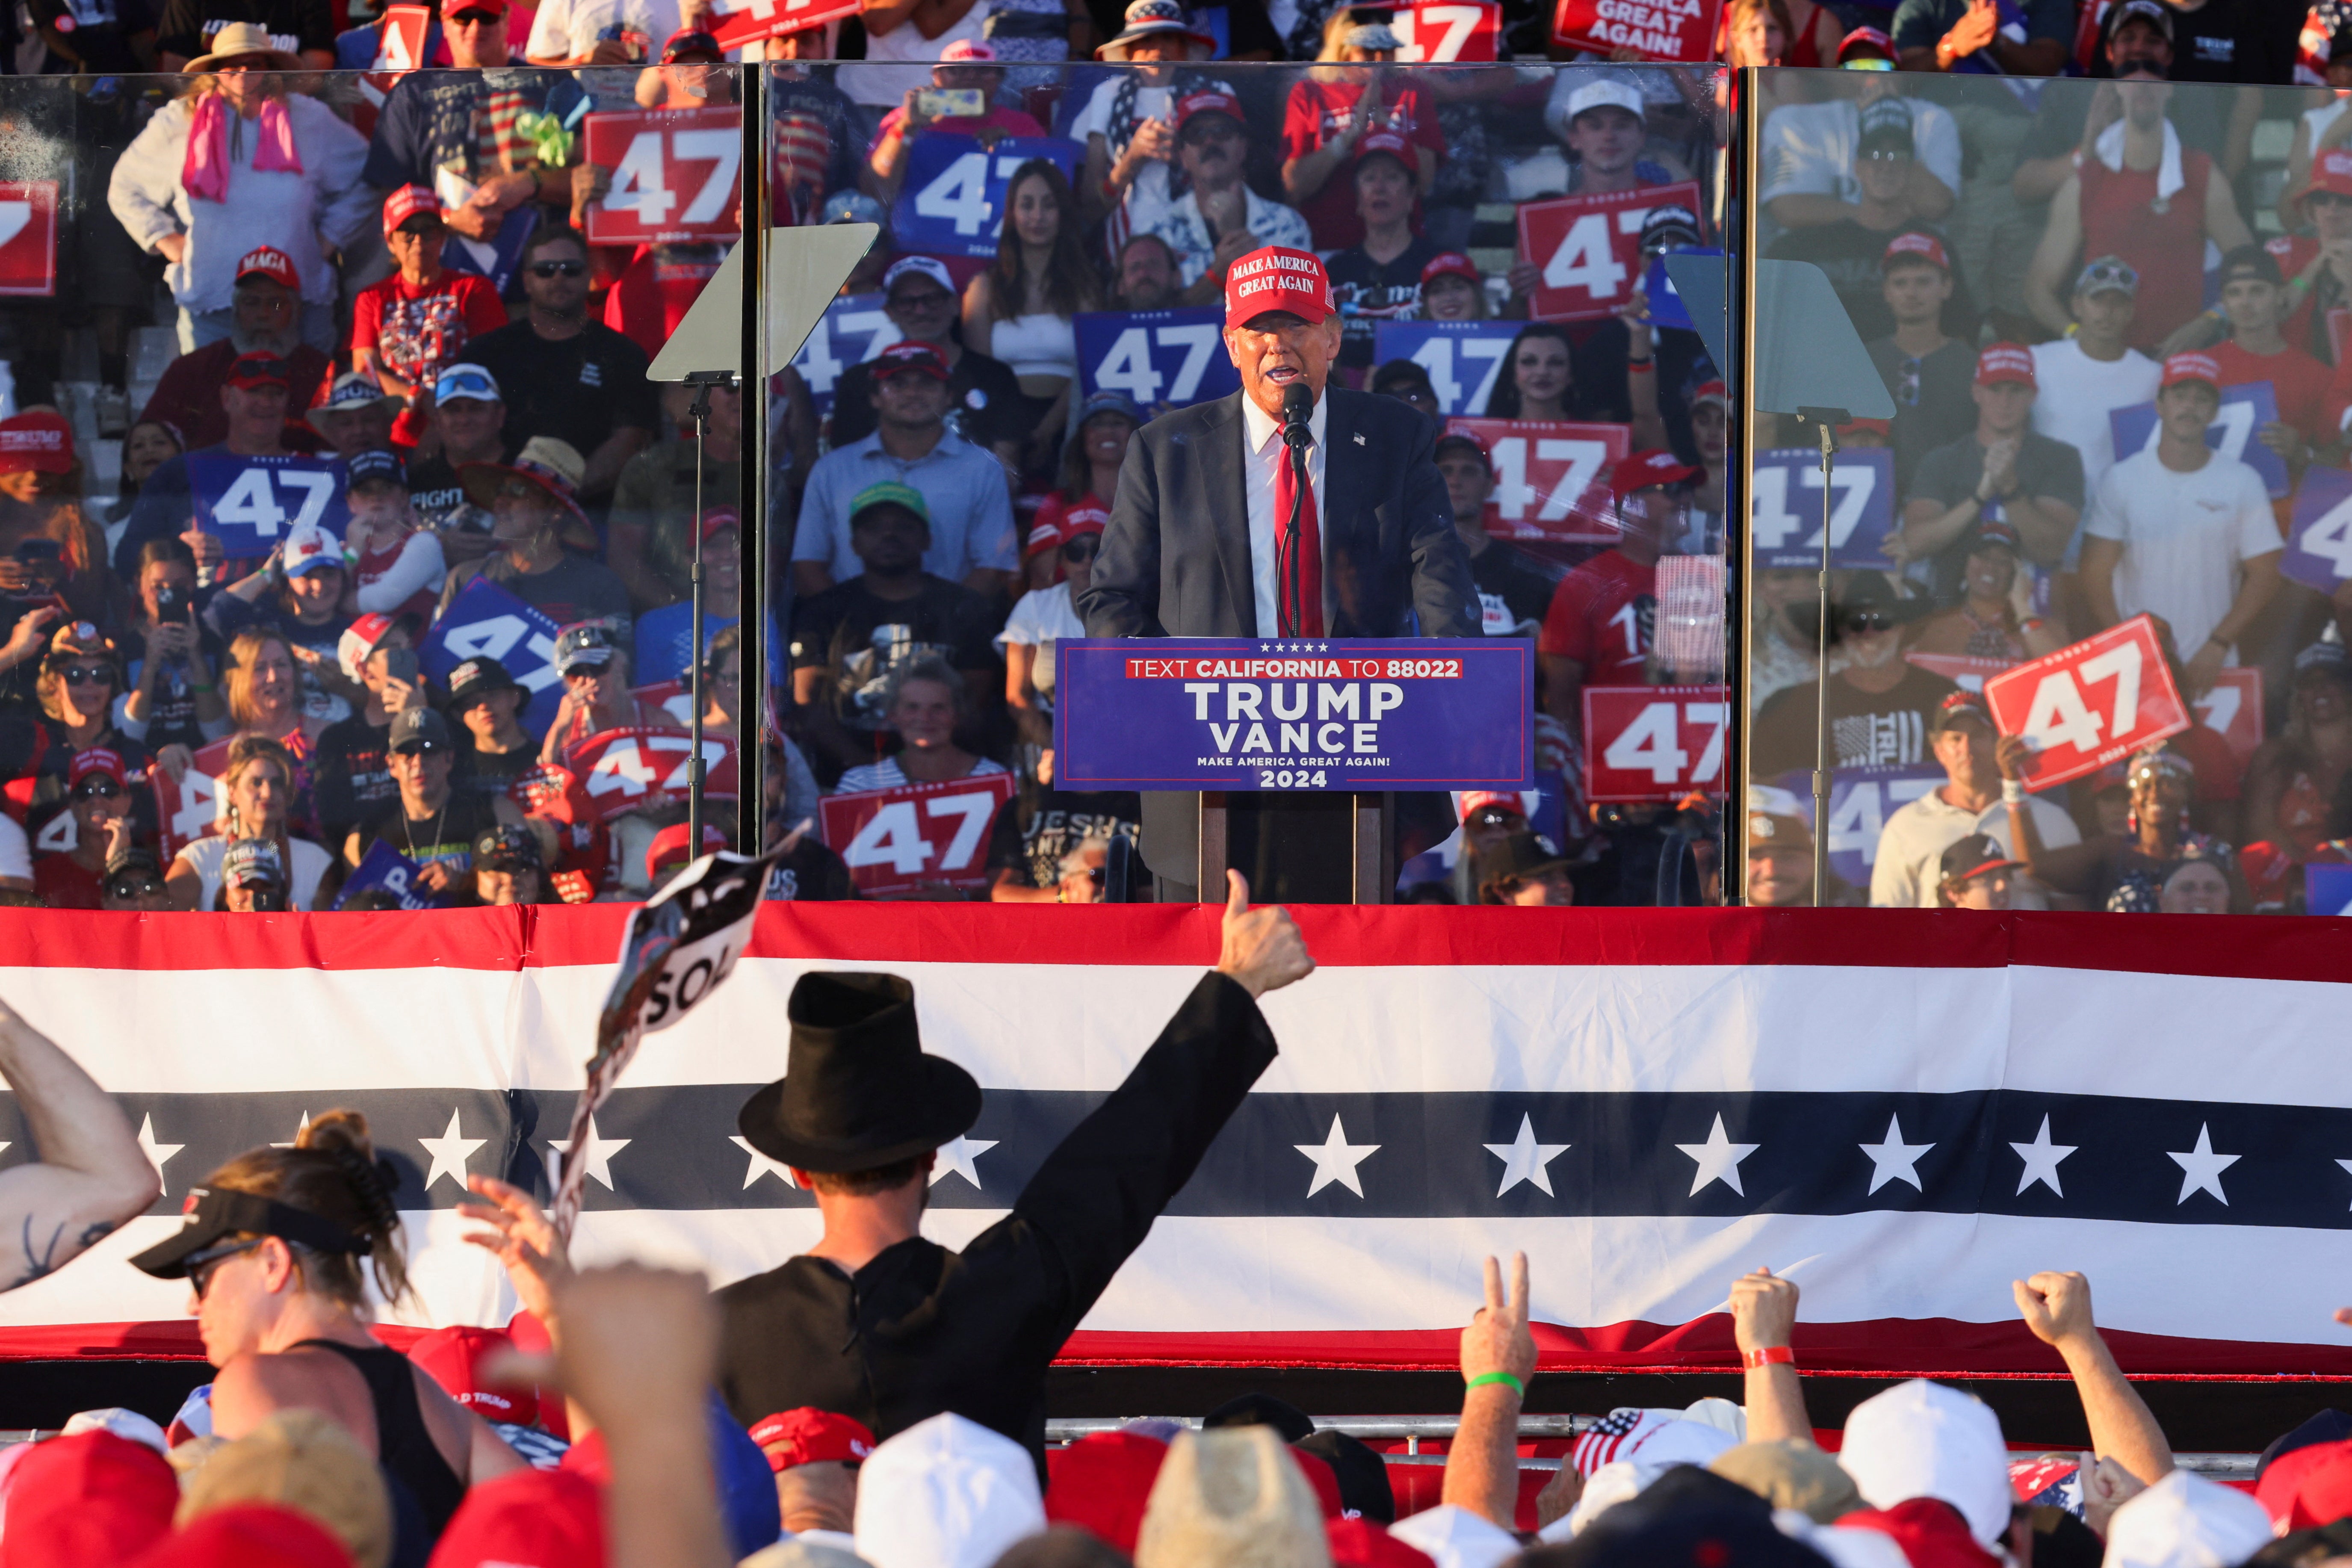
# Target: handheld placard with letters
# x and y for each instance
(853, 330)
(1860, 800)
(674, 175)
(1215, 714)
(1548, 478)
(28, 238)
(743, 22)
(486, 621)
(1162, 359)
(916, 835)
(190, 807)
(2093, 702)
(251, 503)
(1447, 31)
(1589, 248)
(2319, 541)
(1786, 488)
(386, 868)
(1464, 359)
(1654, 742)
(952, 201)
(624, 770)
(1654, 29)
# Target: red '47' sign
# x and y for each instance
(746, 21)
(621, 770)
(28, 238)
(675, 176)
(1549, 476)
(191, 808)
(1654, 742)
(1438, 32)
(2095, 703)
(1655, 29)
(897, 840)
(1589, 248)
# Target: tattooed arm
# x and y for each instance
(91, 1175)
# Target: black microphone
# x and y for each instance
(1298, 408)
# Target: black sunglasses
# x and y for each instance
(1084, 548)
(85, 674)
(558, 268)
(144, 887)
(1869, 621)
(97, 789)
(205, 1264)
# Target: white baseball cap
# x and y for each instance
(1603, 93)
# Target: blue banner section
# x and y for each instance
(1163, 359)
(1787, 508)
(1464, 359)
(952, 202)
(1210, 713)
(387, 868)
(252, 503)
(2234, 432)
(485, 621)
(853, 330)
(1667, 307)
(2327, 890)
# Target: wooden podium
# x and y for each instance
(1305, 847)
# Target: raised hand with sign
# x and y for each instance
(1587, 249)
(675, 175)
(250, 504)
(2124, 873)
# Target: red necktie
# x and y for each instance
(1298, 562)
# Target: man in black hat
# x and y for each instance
(1879, 705)
(876, 1322)
(486, 706)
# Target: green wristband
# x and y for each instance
(1518, 1387)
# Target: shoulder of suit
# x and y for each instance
(1372, 411)
(1198, 416)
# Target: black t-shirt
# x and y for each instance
(187, 25)
(351, 776)
(490, 772)
(811, 873)
(856, 638)
(2228, 41)
(580, 389)
(1949, 475)
(99, 32)
(1034, 830)
(171, 718)
(1369, 293)
(985, 403)
(1932, 404)
(446, 836)
(439, 499)
(1512, 587)
(1868, 729)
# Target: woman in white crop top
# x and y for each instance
(1020, 309)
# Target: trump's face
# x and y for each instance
(1275, 349)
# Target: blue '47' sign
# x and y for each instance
(953, 203)
(384, 867)
(485, 621)
(853, 330)
(2245, 409)
(1163, 359)
(1464, 359)
(1787, 511)
(251, 502)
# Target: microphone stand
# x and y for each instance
(1826, 421)
(702, 380)
(1296, 413)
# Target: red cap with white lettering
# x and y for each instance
(2005, 362)
(1641, 470)
(268, 261)
(1277, 279)
(1925, 246)
(2191, 366)
(36, 443)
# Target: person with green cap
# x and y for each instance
(848, 638)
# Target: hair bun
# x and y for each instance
(343, 1136)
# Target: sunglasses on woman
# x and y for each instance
(208, 1263)
(558, 268)
(86, 674)
(1084, 549)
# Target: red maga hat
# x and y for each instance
(2005, 362)
(268, 261)
(1925, 246)
(811, 1437)
(1641, 471)
(36, 444)
(1277, 279)
(2191, 366)
(1101, 1483)
(456, 1357)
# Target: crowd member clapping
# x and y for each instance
(1129, 125)
(2035, 482)
(1221, 219)
(1327, 117)
(203, 191)
(258, 788)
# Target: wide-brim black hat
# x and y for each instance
(857, 1090)
(1868, 592)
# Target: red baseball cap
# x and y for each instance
(1387, 143)
(968, 51)
(1101, 1482)
(2191, 366)
(1087, 519)
(88, 1498)
(671, 846)
(1277, 279)
(1323, 1479)
(250, 1535)
(1883, 428)
(1363, 1543)
(1864, 38)
(1641, 471)
(407, 201)
(1711, 392)
(1925, 246)
(455, 1358)
(36, 444)
(268, 261)
(1451, 264)
(527, 1519)
(260, 370)
(2005, 362)
(459, 7)
(908, 353)
(97, 759)
(1210, 100)
(1043, 536)
(2330, 171)
(1475, 800)
(715, 518)
(811, 1437)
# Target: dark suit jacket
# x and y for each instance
(1175, 561)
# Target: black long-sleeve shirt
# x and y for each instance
(921, 1329)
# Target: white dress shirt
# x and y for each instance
(1263, 454)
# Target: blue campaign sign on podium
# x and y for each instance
(1240, 714)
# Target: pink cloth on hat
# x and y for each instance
(205, 170)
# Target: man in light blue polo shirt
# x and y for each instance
(972, 538)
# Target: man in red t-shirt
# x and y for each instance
(2318, 265)
(98, 791)
(656, 289)
(1325, 119)
(1598, 628)
(2253, 297)
(405, 329)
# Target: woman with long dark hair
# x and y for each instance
(1536, 382)
(278, 1251)
(1020, 309)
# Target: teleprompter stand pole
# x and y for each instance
(702, 380)
(1826, 421)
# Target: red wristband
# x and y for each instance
(1771, 1356)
